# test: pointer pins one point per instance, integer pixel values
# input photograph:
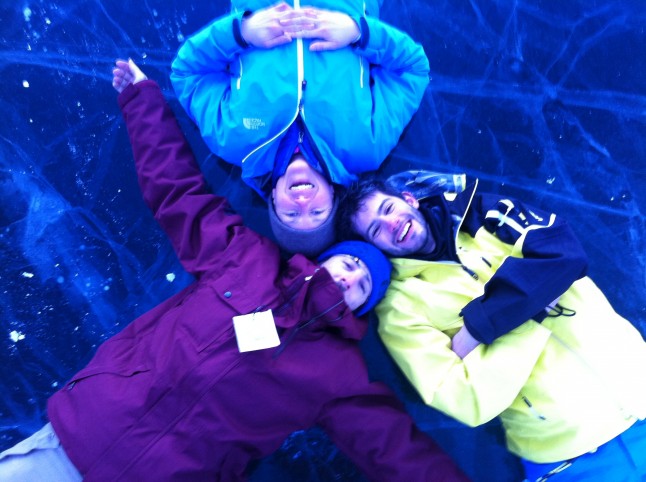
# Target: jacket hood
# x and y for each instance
(423, 183)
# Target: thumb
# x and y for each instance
(136, 71)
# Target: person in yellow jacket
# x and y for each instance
(490, 313)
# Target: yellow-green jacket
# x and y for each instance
(562, 387)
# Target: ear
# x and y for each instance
(410, 199)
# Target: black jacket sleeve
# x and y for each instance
(522, 287)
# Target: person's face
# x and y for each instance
(352, 276)
(393, 225)
(302, 197)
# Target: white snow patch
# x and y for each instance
(16, 336)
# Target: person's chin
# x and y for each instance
(407, 251)
(400, 249)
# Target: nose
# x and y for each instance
(301, 199)
(391, 223)
(351, 277)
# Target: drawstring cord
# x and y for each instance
(560, 310)
(297, 328)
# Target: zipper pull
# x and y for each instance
(473, 274)
(301, 136)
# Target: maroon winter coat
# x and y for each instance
(172, 398)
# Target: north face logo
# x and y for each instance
(252, 123)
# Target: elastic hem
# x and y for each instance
(364, 37)
(237, 30)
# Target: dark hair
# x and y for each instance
(354, 198)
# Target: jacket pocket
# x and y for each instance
(206, 319)
(93, 371)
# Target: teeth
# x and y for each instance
(301, 187)
(404, 231)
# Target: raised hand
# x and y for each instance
(126, 73)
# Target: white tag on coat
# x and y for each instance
(255, 331)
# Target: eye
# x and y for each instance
(348, 265)
(291, 214)
(317, 212)
(375, 232)
(389, 208)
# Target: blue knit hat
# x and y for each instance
(378, 265)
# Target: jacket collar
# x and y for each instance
(314, 301)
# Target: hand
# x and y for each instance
(126, 73)
(333, 30)
(463, 343)
(275, 25)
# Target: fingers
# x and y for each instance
(283, 39)
(125, 73)
(301, 27)
(323, 45)
(121, 75)
(303, 17)
(296, 24)
(281, 7)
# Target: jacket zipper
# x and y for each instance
(299, 97)
(239, 76)
(471, 273)
(536, 413)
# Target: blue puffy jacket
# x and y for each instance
(354, 102)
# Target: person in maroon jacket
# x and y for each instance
(222, 372)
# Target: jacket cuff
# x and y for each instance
(133, 90)
(236, 25)
(364, 35)
(477, 322)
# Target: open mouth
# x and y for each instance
(342, 286)
(403, 234)
(302, 186)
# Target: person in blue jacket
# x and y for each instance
(303, 100)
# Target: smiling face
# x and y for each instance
(302, 197)
(393, 224)
(352, 276)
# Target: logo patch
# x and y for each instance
(252, 123)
